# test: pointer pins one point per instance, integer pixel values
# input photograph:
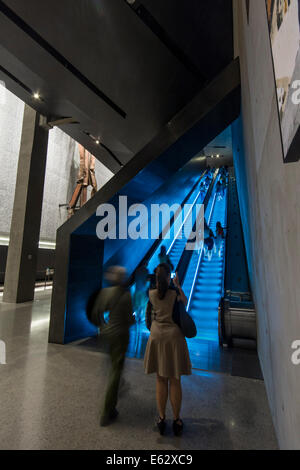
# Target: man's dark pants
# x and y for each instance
(118, 345)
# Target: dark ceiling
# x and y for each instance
(122, 72)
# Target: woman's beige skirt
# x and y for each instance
(167, 353)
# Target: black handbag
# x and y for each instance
(184, 320)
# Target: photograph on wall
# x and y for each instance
(284, 28)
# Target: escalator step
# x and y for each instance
(204, 306)
(206, 297)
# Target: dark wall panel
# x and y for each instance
(242, 186)
(46, 259)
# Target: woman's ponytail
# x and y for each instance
(162, 282)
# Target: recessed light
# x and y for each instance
(97, 142)
(36, 96)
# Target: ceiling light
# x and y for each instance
(36, 96)
(97, 142)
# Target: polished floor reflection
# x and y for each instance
(51, 394)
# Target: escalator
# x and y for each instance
(175, 249)
(219, 296)
(207, 290)
(203, 285)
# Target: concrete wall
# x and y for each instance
(11, 118)
(61, 171)
(274, 219)
(61, 175)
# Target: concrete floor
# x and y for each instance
(51, 395)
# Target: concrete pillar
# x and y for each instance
(26, 218)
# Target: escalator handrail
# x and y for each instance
(224, 267)
(222, 306)
(231, 187)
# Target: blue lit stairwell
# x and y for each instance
(175, 247)
(173, 243)
(206, 294)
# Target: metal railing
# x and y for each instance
(237, 318)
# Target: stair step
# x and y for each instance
(205, 306)
(213, 288)
(207, 319)
(204, 336)
(207, 327)
(206, 297)
(207, 269)
(210, 276)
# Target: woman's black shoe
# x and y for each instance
(177, 427)
(161, 424)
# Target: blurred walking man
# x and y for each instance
(117, 301)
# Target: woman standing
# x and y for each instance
(166, 352)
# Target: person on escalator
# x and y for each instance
(209, 244)
(164, 258)
(223, 185)
(219, 190)
(207, 180)
(222, 171)
(202, 189)
(219, 237)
